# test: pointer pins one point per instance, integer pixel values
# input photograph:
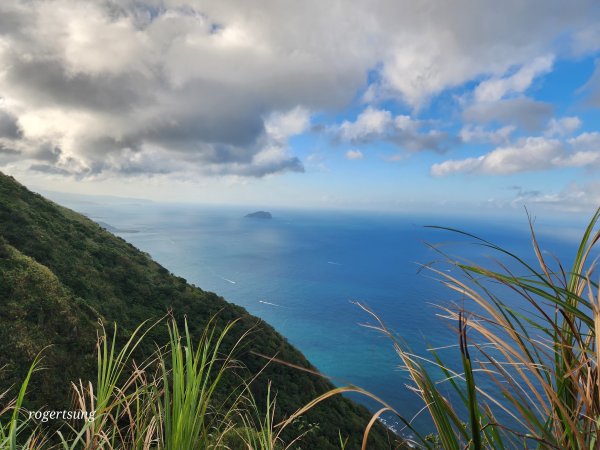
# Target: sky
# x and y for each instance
(390, 105)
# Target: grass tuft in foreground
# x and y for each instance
(172, 401)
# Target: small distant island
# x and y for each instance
(260, 215)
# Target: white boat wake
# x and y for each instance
(269, 303)
(228, 280)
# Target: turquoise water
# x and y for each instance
(301, 272)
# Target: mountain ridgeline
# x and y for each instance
(61, 273)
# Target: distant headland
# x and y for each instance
(109, 227)
(260, 215)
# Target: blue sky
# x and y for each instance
(388, 105)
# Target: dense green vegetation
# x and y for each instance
(60, 273)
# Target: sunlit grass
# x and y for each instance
(168, 402)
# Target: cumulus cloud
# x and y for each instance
(563, 126)
(280, 126)
(526, 155)
(423, 56)
(354, 154)
(575, 198)
(586, 141)
(376, 124)
(131, 88)
(371, 123)
(155, 86)
(496, 88)
(501, 100)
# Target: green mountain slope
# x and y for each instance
(60, 272)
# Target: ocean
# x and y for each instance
(303, 271)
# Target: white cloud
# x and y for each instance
(354, 154)
(586, 141)
(280, 126)
(530, 154)
(369, 123)
(563, 126)
(574, 197)
(455, 166)
(579, 159)
(501, 100)
(408, 134)
(527, 155)
(444, 44)
(495, 89)
(405, 123)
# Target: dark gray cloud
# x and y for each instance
(49, 169)
(5, 150)
(12, 20)
(47, 82)
(47, 153)
(259, 170)
(8, 154)
(523, 112)
(9, 127)
(434, 140)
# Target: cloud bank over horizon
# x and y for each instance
(121, 88)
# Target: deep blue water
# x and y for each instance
(301, 271)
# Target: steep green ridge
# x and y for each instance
(37, 311)
(60, 272)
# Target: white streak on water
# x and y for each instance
(269, 303)
(228, 280)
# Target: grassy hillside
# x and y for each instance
(37, 311)
(60, 272)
